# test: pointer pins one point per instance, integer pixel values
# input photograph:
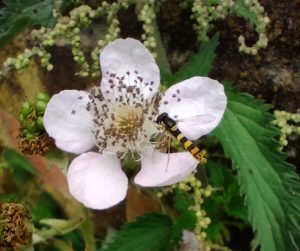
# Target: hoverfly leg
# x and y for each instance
(168, 152)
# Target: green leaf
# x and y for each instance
(44, 207)
(19, 14)
(21, 168)
(187, 218)
(243, 11)
(199, 64)
(270, 185)
(9, 198)
(237, 209)
(229, 199)
(150, 232)
(181, 201)
(219, 176)
(62, 227)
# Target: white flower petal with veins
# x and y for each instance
(162, 169)
(67, 121)
(97, 180)
(131, 59)
(197, 103)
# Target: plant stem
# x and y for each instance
(162, 59)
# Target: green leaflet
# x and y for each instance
(229, 199)
(150, 232)
(21, 169)
(271, 186)
(199, 64)
(19, 14)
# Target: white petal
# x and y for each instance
(198, 107)
(97, 180)
(68, 122)
(189, 241)
(161, 169)
(129, 55)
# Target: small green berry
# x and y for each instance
(29, 136)
(31, 127)
(21, 119)
(40, 123)
(40, 106)
(49, 67)
(26, 109)
(40, 96)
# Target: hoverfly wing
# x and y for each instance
(162, 147)
(203, 119)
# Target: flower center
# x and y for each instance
(123, 116)
(128, 119)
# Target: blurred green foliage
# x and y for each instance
(18, 15)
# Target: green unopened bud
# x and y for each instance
(31, 127)
(21, 119)
(40, 123)
(284, 142)
(26, 108)
(49, 67)
(288, 130)
(30, 136)
(40, 106)
(40, 96)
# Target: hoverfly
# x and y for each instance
(171, 126)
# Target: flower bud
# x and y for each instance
(40, 96)
(21, 118)
(40, 106)
(31, 126)
(29, 136)
(26, 108)
(39, 123)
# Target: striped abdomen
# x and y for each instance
(187, 144)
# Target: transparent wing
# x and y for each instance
(162, 146)
(205, 118)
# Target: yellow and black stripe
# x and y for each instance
(188, 145)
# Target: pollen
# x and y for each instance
(123, 115)
(128, 119)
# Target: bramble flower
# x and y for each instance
(118, 118)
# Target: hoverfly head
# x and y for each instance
(165, 120)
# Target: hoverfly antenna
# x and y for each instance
(161, 117)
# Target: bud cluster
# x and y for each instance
(147, 16)
(192, 186)
(67, 29)
(32, 136)
(113, 31)
(289, 123)
(204, 13)
(262, 22)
